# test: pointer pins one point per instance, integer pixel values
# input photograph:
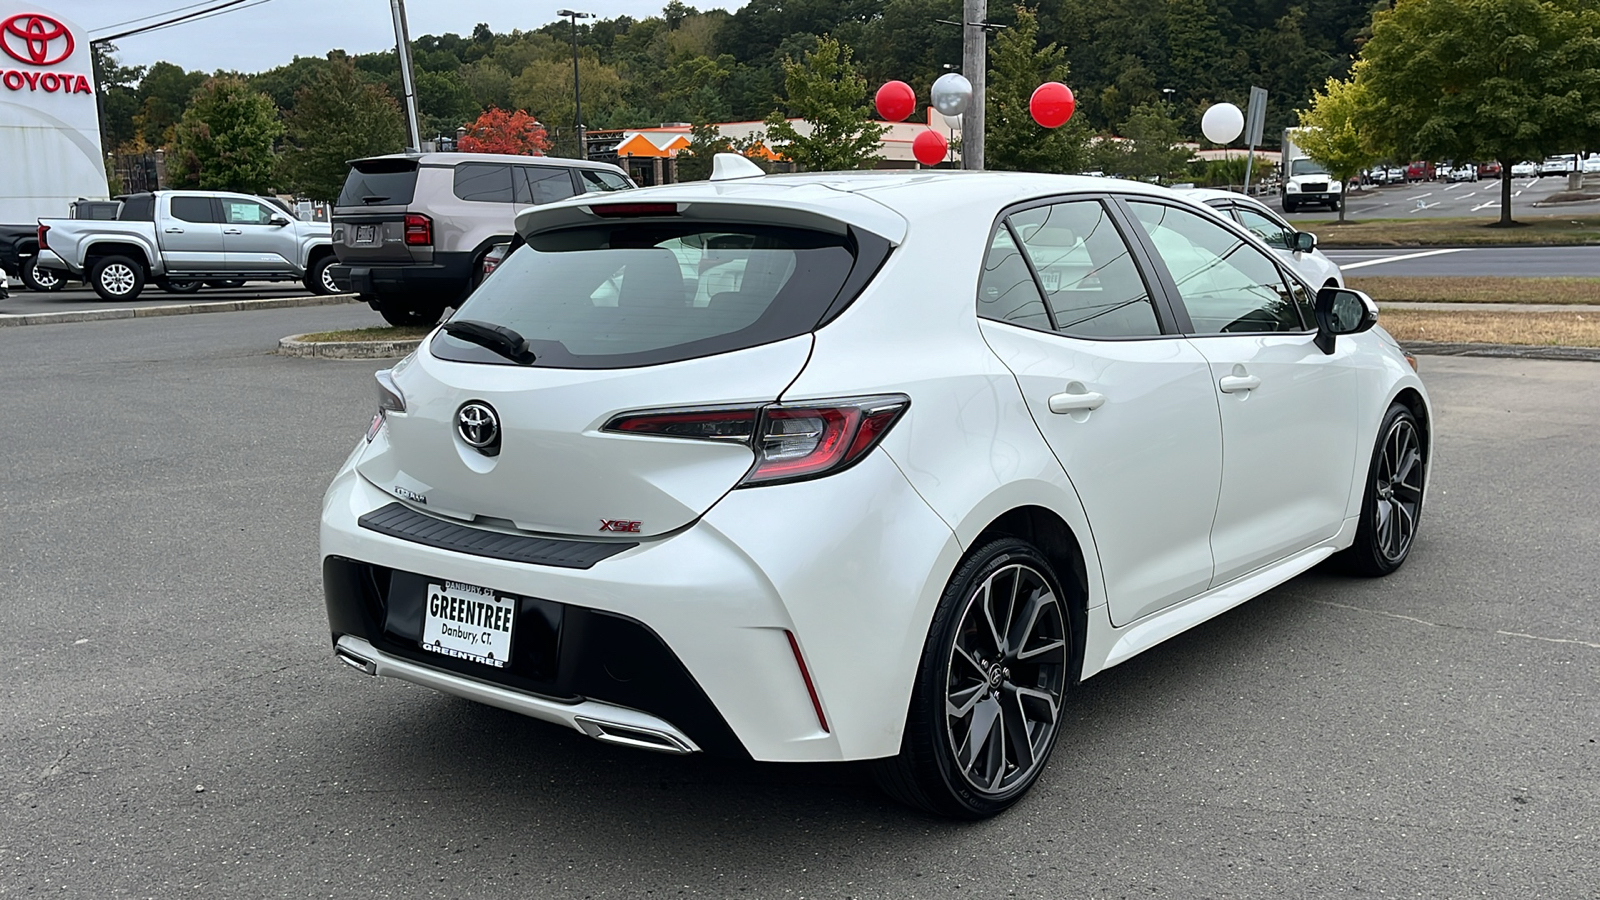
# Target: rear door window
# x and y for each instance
(1006, 289)
(541, 184)
(484, 182)
(600, 181)
(379, 182)
(631, 294)
(1088, 274)
(193, 209)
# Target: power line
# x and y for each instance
(229, 6)
(151, 16)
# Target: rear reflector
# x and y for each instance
(419, 230)
(634, 210)
(799, 660)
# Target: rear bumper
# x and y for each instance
(449, 276)
(850, 565)
(47, 259)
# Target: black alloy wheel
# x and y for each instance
(1391, 508)
(986, 708)
(42, 280)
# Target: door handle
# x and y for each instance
(1082, 402)
(232, 231)
(174, 231)
(1233, 384)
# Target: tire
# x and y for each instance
(1391, 505)
(317, 279)
(116, 278)
(45, 281)
(960, 666)
(416, 313)
(179, 286)
(228, 284)
(1289, 207)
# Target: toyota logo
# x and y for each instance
(28, 38)
(477, 424)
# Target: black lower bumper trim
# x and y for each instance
(399, 521)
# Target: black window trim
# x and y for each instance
(1171, 287)
(1167, 318)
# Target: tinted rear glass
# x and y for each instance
(484, 182)
(379, 182)
(138, 208)
(638, 294)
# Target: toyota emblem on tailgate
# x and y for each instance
(478, 425)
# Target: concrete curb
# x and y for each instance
(182, 309)
(293, 346)
(1512, 351)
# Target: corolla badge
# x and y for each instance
(479, 426)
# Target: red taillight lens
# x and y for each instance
(792, 442)
(632, 210)
(43, 243)
(419, 230)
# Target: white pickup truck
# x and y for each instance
(186, 237)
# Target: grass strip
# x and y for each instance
(1478, 289)
(405, 333)
(1551, 329)
(1555, 230)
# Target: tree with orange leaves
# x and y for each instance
(498, 131)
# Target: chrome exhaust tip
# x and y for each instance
(355, 662)
(633, 736)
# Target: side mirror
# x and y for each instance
(1342, 311)
(1303, 242)
(278, 221)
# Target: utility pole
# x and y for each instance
(402, 45)
(975, 65)
(577, 94)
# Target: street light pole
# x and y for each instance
(577, 94)
(408, 85)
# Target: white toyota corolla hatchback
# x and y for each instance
(861, 466)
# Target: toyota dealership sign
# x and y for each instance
(50, 149)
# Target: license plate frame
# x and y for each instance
(468, 622)
(366, 234)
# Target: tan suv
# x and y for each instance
(411, 230)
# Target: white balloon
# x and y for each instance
(1222, 123)
(951, 122)
(952, 94)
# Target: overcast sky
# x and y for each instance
(251, 38)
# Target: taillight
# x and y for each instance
(419, 230)
(792, 442)
(389, 400)
(43, 243)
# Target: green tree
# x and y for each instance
(337, 117)
(118, 96)
(825, 91)
(1507, 80)
(1013, 140)
(224, 141)
(164, 94)
(1333, 134)
(1150, 147)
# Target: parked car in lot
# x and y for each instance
(1560, 165)
(835, 466)
(1466, 172)
(180, 239)
(1525, 170)
(1296, 249)
(412, 230)
(1489, 170)
(1591, 164)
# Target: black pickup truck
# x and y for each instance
(18, 245)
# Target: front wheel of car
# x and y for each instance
(42, 280)
(412, 313)
(116, 278)
(1391, 506)
(986, 707)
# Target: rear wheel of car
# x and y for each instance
(1392, 503)
(116, 278)
(179, 286)
(986, 707)
(42, 280)
(319, 280)
(415, 313)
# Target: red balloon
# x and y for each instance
(929, 148)
(1052, 104)
(896, 100)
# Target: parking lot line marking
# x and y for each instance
(1491, 204)
(1390, 259)
(1420, 196)
(1516, 193)
(1452, 187)
(1390, 615)
(1536, 637)
(1489, 186)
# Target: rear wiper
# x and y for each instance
(498, 338)
(373, 198)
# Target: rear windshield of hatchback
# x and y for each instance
(633, 294)
(379, 182)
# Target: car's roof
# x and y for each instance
(1206, 195)
(452, 159)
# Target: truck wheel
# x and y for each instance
(179, 286)
(116, 278)
(42, 280)
(229, 283)
(319, 280)
(412, 313)
(1289, 207)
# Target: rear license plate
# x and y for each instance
(366, 234)
(468, 622)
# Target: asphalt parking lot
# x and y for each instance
(174, 723)
(1439, 199)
